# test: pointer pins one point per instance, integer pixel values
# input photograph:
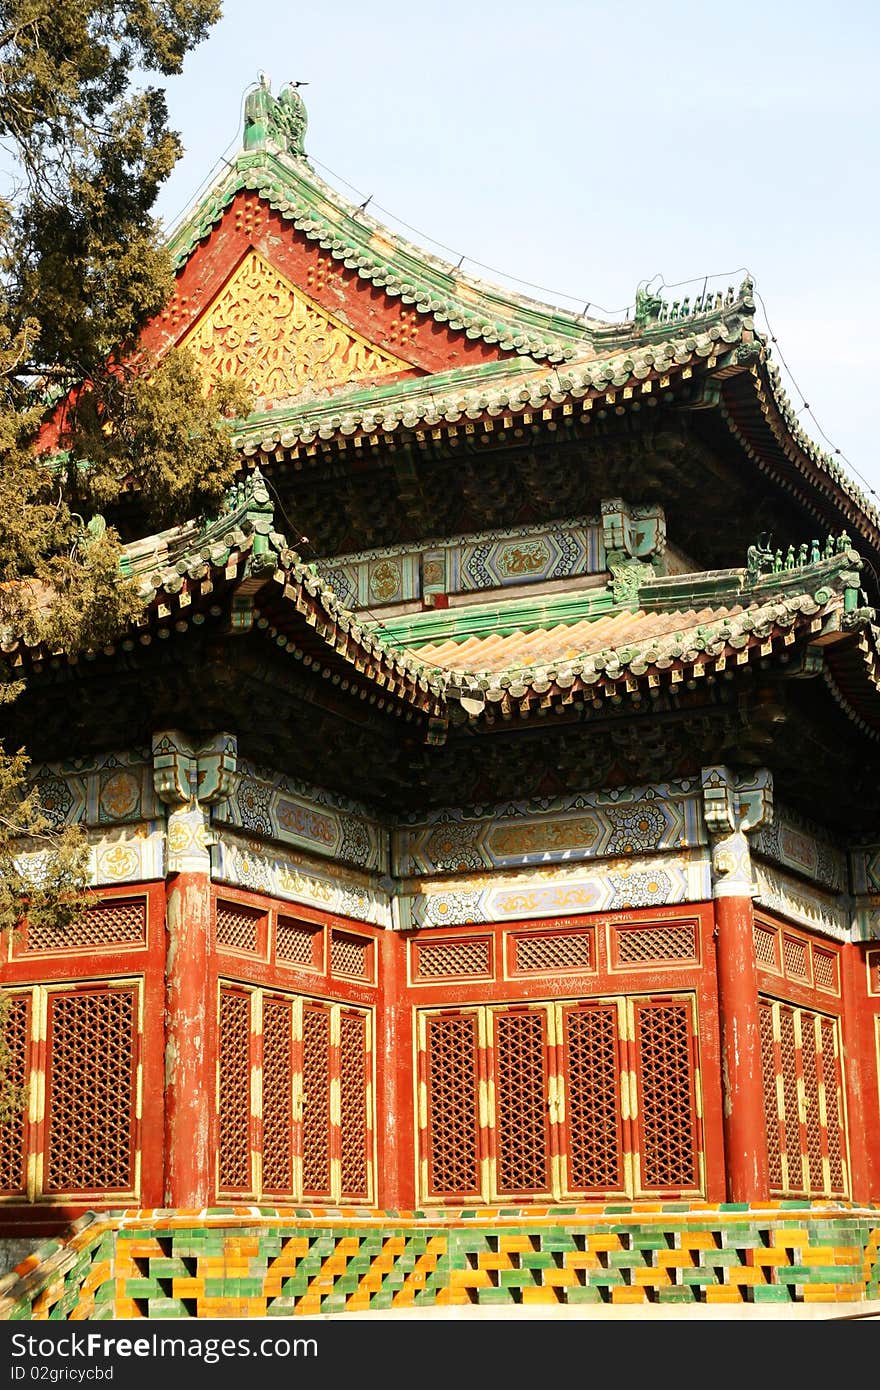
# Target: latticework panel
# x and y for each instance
(547, 951)
(453, 1116)
(825, 970)
(833, 1105)
(790, 1109)
(592, 1049)
(236, 927)
(234, 1158)
(521, 1101)
(114, 922)
(316, 1101)
(349, 955)
(277, 1096)
(637, 945)
(354, 1134)
(794, 952)
(666, 1095)
(16, 1032)
(90, 1091)
(873, 963)
(765, 946)
(435, 959)
(812, 1115)
(299, 943)
(771, 1106)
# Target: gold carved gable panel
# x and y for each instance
(264, 331)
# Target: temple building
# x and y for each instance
(484, 813)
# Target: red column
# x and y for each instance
(745, 1142)
(188, 1090)
(188, 780)
(396, 1158)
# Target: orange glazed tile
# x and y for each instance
(538, 1295)
(182, 1287)
(488, 1259)
(655, 1277)
(97, 1275)
(675, 1259)
(697, 1240)
(745, 1274)
(723, 1293)
(559, 1278)
(243, 1245)
(821, 1293)
(582, 1259)
(469, 1279)
(773, 1255)
(515, 1243)
(600, 1242)
(818, 1255)
(142, 1247)
(628, 1293)
(126, 1308)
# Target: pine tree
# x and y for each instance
(83, 268)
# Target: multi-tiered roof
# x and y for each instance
(406, 411)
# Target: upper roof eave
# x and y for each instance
(283, 177)
(494, 388)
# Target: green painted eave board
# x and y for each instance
(500, 618)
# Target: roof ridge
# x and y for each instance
(272, 162)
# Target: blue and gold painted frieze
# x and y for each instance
(828, 914)
(795, 843)
(284, 873)
(272, 807)
(609, 886)
(111, 790)
(598, 825)
(468, 563)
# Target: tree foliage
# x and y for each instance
(83, 268)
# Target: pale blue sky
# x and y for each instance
(580, 148)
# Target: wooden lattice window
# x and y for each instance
(521, 1087)
(547, 952)
(277, 1082)
(16, 1036)
(560, 1100)
(872, 961)
(796, 957)
(451, 1050)
(354, 1089)
(316, 1100)
(593, 1069)
(234, 1095)
(439, 959)
(646, 945)
(294, 1097)
(803, 1101)
(237, 927)
(825, 970)
(299, 943)
(667, 1113)
(350, 955)
(769, 1071)
(766, 939)
(90, 1090)
(113, 922)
